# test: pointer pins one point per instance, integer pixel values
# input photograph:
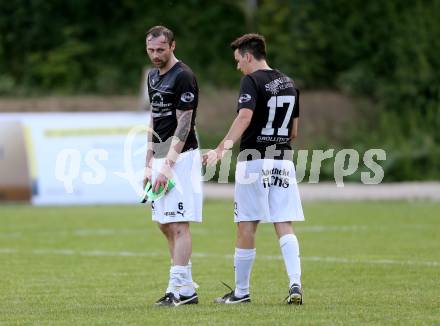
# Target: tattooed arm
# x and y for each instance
(180, 134)
(178, 141)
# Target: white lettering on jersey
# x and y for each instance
(157, 101)
(278, 84)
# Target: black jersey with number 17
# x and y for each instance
(274, 100)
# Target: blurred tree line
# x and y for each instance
(93, 46)
(387, 51)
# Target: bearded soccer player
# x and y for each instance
(265, 190)
(172, 153)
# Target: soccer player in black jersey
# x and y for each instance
(172, 152)
(265, 188)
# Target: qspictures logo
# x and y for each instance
(308, 165)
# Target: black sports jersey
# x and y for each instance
(274, 99)
(175, 90)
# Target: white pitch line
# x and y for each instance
(93, 253)
(8, 251)
(197, 231)
(322, 228)
(54, 251)
(10, 235)
(372, 261)
(103, 253)
(204, 231)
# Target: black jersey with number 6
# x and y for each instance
(274, 100)
(175, 90)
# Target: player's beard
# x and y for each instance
(160, 63)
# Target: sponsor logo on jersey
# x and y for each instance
(187, 97)
(244, 98)
(157, 97)
(278, 84)
(157, 101)
(273, 139)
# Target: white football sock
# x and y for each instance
(188, 288)
(177, 279)
(189, 268)
(243, 261)
(290, 250)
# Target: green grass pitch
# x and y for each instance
(363, 263)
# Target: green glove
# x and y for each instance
(149, 195)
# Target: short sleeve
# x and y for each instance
(296, 109)
(187, 91)
(248, 94)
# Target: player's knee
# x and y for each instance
(247, 229)
(283, 228)
(179, 229)
(248, 238)
(164, 228)
(246, 235)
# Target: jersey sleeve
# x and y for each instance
(248, 94)
(187, 92)
(296, 109)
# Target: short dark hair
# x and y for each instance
(158, 30)
(252, 43)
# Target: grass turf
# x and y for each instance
(363, 263)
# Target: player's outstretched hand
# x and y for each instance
(210, 158)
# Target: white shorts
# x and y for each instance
(184, 202)
(266, 190)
